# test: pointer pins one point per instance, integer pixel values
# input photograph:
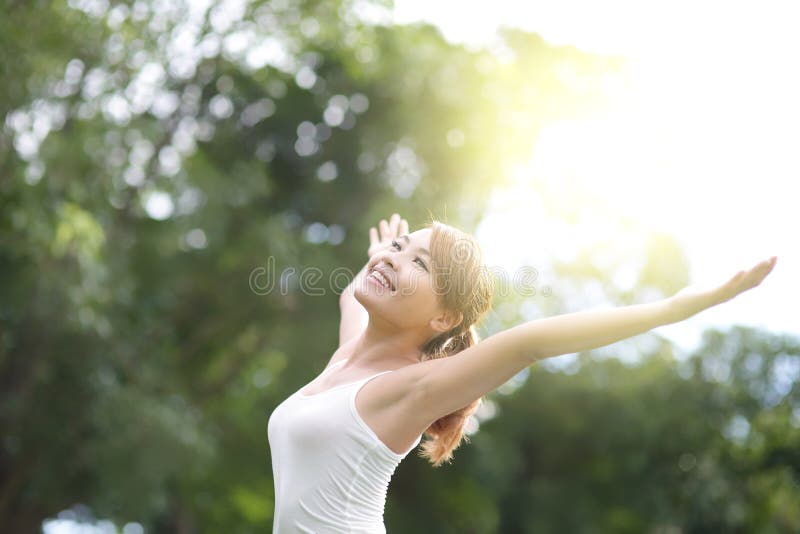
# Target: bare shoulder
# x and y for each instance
(400, 405)
(390, 389)
(435, 388)
(386, 405)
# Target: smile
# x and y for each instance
(378, 278)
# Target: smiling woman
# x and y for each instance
(411, 365)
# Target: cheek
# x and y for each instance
(423, 293)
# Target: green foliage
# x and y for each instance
(144, 181)
(611, 448)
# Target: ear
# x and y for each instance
(446, 321)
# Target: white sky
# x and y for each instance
(714, 102)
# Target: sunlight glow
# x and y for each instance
(701, 144)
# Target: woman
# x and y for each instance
(409, 363)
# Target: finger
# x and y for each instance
(403, 227)
(394, 220)
(384, 226)
(373, 236)
(769, 265)
(757, 274)
(758, 267)
(766, 262)
(765, 266)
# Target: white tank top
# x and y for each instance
(331, 470)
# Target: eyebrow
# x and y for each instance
(423, 250)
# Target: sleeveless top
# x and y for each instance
(331, 471)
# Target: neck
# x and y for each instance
(382, 345)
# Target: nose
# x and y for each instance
(389, 261)
(386, 257)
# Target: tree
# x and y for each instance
(161, 164)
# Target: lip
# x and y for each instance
(372, 280)
(385, 274)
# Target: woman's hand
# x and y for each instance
(396, 226)
(689, 301)
(744, 280)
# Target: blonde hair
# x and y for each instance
(463, 285)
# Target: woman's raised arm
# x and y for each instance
(585, 330)
(354, 317)
(440, 386)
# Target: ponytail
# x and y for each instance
(466, 289)
(447, 432)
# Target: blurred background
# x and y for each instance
(169, 168)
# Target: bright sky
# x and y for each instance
(704, 145)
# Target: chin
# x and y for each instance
(364, 298)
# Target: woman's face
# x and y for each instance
(410, 300)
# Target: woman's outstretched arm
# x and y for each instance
(575, 332)
(440, 386)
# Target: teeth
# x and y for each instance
(382, 279)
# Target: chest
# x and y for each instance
(381, 401)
